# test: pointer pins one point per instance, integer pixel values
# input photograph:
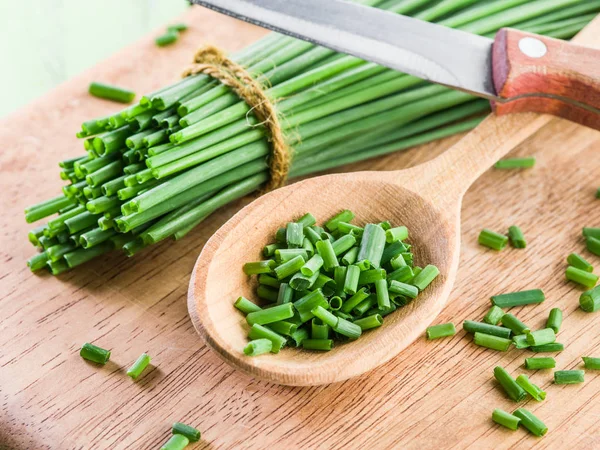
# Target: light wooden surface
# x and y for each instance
(426, 199)
(432, 395)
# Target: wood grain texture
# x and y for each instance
(426, 199)
(432, 395)
(565, 71)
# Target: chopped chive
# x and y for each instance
(554, 319)
(440, 331)
(308, 247)
(541, 337)
(285, 254)
(325, 316)
(38, 261)
(372, 245)
(520, 341)
(283, 327)
(371, 276)
(346, 328)
(138, 366)
(548, 348)
(95, 354)
(110, 92)
(394, 249)
(325, 249)
(505, 419)
(517, 239)
(270, 315)
(516, 163)
(494, 315)
(312, 235)
(405, 289)
(339, 276)
(589, 301)
(485, 328)
(185, 430)
(386, 225)
(168, 38)
(351, 280)
(176, 442)
(383, 296)
(534, 425)
(312, 266)
(515, 392)
(268, 280)
(591, 232)
(591, 363)
(325, 283)
(285, 294)
(300, 282)
(294, 235)
(364, 306)
(491, 239)
(343, 244)
(355, 300)
(579, 262)
(319, 330)
(255, 268)
(403, 274)
(258, 347)
(530, 388)
(593, 245)
(396, 234)
(289, 267)
(317, 344)
(519, 298)
(266, 293)
(492, 342)
(398, 261)
(299, 336)
(269, 250)
(425, 277)
(350, 257)
(344, 216)
(259, 332)
(540, 363)
(311, 301)
(369, 322)
(347, 228)
(582, 277)
(568, 376)
(514, 324)
(307, 220)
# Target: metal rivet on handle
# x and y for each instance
(532, 47)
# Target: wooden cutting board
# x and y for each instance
(433, 395)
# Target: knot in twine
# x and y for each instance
(211, 61)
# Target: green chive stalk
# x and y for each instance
(159, 167)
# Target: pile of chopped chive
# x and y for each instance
(158, 168)
(331, 283)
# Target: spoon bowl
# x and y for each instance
(426, 199)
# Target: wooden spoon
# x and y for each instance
(427, 199)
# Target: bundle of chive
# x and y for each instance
(158, 168)
(322, 284)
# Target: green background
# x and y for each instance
(45, 42)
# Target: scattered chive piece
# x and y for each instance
(541, 337)
(491, 239)
(178, 27)
(176, 442)
(168, 38)
(589, 301)
(138, 366)
(425, 277)
(591, 363)
(494, 315)
(471, 326)
(530, 388)
(591, 232)
(509, 384)
(598, 193)
(505, 419)
(548, 348)
(258, 347)
(519, 298)
(520, 341)
(568, 376)
(593, 245)
(582, 277)
(579, 262)
(540, 363)
(95, 354)
(492, 342)
(554, 319)
(441, 330)
(534, 425)
(516, 163)
(110, 92)
(517, 239)
(514, 324)
(185, 430)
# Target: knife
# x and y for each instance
(516, 71)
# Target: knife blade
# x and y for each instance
(433, 52)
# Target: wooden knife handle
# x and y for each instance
(537, 73)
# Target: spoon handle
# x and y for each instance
(445, 179)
